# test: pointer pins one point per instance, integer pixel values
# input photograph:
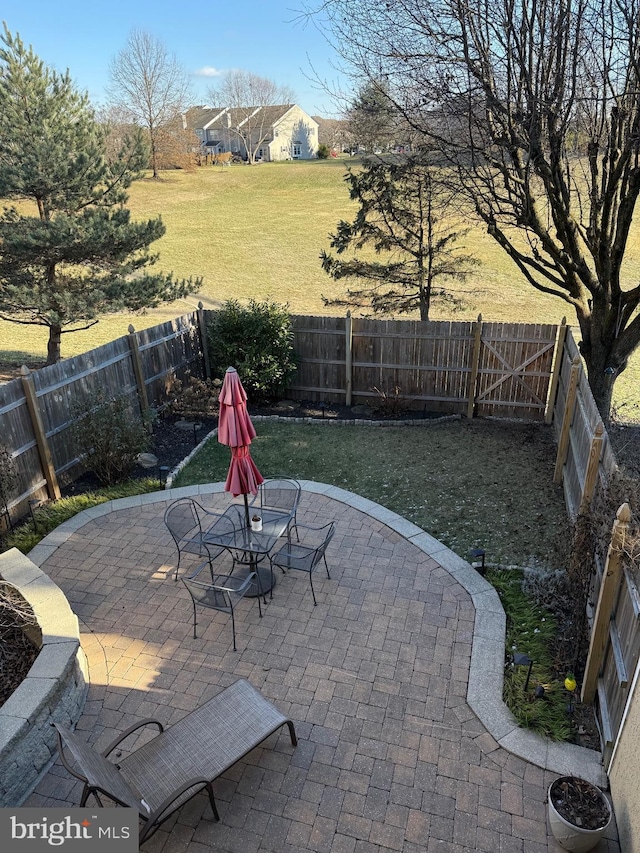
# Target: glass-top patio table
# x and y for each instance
(247, 546)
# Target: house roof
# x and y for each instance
(210, 118)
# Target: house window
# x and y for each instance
(297, 149)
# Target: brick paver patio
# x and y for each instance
(390, 756)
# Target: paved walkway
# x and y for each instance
(391, 681)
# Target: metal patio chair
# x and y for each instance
(220, 592)
(278, 497)
(305, 554)
(180, 761)
(188, 522)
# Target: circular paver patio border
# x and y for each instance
(484, 692)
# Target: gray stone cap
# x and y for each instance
(484, 692)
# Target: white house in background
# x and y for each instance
(271, 133)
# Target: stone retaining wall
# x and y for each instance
(54, 689)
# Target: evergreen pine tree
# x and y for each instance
(401, 217)
(69, 252)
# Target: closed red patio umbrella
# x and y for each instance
(236, 431)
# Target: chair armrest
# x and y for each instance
(129, 731)
(155, 817)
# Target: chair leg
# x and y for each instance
(212, 801)
(233, 628)
(326, 565)
(178, 566)
(315, 603)
(194, 619)
(292, 733)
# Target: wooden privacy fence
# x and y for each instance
(37, 410)
(614, 645)
(585, 458)
(499, 369)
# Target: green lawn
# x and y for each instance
(257, 232)
(468, 483)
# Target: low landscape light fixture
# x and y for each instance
(196, 427)
(322, 406)
(163, 471)
(478, 554)
(32, 505)
(520, 659)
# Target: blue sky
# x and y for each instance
(207, 37)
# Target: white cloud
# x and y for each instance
(208, 71)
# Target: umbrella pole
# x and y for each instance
(246, 511)
(253, 561)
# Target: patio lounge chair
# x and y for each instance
(305, 554)
(180, 761)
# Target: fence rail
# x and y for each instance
(38, 410)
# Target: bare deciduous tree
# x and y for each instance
(151, 87)
(248, 98)
(534, 105)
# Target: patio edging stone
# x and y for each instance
(486, 674)
(55, 687)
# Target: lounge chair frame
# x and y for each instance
(181, 760)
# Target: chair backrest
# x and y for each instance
(221, 527)
(182, 519)
(322, 547)
(280, 494)
(97, 771)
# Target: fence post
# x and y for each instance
(593, 463)
(137, 370)
(555, 376)
(348, 359)
(475, 363)
(569, 407)
(608, 590)
(44, 451)
(203, 338)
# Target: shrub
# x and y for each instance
(390, 403)
(194, 398)
(110, 436)
(257, 340)
(323, 151)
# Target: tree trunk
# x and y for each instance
(53, 345)
(601, 385)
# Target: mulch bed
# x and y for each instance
(17, 654)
